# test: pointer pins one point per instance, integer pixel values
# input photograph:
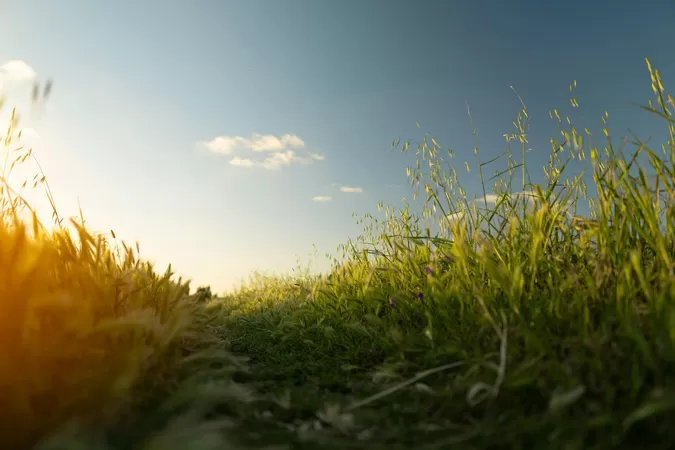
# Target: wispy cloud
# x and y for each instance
(224, 145)
(322, 198)
(16, 70)
(242, 162)
(282, 150)
(491, 198)
(281, 159)
(14, 74)
(454, 217)
(258, 143)
(352, 190)
(269, 143)
(286, 158)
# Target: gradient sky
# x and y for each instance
(141, 88)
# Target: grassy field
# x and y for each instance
(513, 324)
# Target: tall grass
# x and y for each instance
(518, 325)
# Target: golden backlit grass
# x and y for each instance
(81, 321)
(77, 328)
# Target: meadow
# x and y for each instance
(513, 324)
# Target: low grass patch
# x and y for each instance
(513, 325)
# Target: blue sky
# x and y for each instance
(142, 88)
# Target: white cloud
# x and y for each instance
(322, 198)
(281, 150)
(351, 189)
(258, 143)
(292, 140)
(454, 217)
(224, 145)
(264, 143)
(491, 198)
(16, 70)
(15, 73)
(242, 162)
(278, 160)
(286, 158)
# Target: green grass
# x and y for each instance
(516, 326)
